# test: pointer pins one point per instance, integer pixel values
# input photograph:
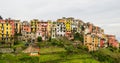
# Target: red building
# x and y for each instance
(112, 41)
(102, 43)
(12, 23)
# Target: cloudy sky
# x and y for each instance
(103, 13)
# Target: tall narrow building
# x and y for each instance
(33, 24)
(7, 31)
(17, 26)
(49, 28)
(60, 28)
(53, 30)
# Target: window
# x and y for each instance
(7, 32)
(7, 24)
(2, 35)
(2, 38)
(16, 24)
(53, 35)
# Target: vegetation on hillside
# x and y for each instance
(61, 50)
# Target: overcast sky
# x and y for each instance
(104, 13)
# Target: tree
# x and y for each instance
(39, 39)
(16, 38)
(78, 36)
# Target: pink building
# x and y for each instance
(38, 31)
(90, 27)
(25, 27)
(115, 44)
(102, 43)
(112, 41)
(42, 30)
(12, 23)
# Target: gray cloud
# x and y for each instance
(103, 13)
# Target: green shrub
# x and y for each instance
(78, 36)
(102, 57)
(29, 59)
(70, 49)
(39, 39)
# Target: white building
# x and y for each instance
(60, 28)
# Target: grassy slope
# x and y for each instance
(58, 55)
(48, 55)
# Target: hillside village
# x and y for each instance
(28, 31)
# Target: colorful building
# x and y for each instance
(39, 30)
(53, 30)
(95, 41)
(68, 23)
(25, 27)
(33, 24)
(112, 41)
(49, 28)
(74, 26)
(26, 31)
(12, 23)
(90, 27)
(17, 26)
(94, 36)
(60, 28)
(7, 31)
(91, 41)
(88, 41)
(43, 30)
(81, 27)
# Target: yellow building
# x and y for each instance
(95, 42)
(33, 24)
(6, 33)
(68, 22)
(91, 41)
(49, 27)
(88, 41)
(17, 26)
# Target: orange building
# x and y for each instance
(25, 27)
(91, 41)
